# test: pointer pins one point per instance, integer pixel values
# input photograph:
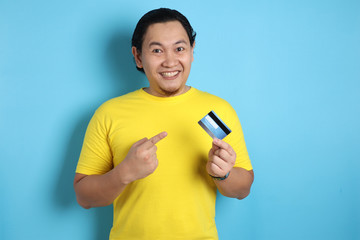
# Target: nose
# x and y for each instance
(170, 59)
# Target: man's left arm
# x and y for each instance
(221, 162)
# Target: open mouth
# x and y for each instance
(169, 74)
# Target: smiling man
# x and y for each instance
(146, 153)
(166, 58)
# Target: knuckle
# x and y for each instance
(154, 166)
(213, 167)
(146, 157)
(138, 152)
(222, 152)
(153, 140)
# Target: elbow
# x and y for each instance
(89, 204)
(83, 204)
(81, 200)
(243, 195)
(246, 190)
(236, 194)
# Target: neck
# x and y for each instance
(164, 93)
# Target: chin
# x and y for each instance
(171, 90)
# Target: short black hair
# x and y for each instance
(160, 15)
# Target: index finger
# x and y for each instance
(223, 145)
(155, 139)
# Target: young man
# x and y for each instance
(146, 153)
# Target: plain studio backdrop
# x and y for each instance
(291, 70)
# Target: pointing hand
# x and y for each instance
(141, 159)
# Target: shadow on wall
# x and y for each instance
(123, 78)
(121, 65)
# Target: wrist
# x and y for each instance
(220, 178)
(122, 173)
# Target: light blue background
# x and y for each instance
(291, 69)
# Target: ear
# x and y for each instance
(137, 57)
(192, 52)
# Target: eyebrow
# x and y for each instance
(155, 44)
(180, 41)
(159, 44)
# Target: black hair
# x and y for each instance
(160, 15)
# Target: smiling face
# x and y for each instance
(166, 58)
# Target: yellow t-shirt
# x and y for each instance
(177, 201)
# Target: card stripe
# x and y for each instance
(218, 121)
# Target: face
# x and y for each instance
(166, 58)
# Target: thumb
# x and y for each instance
(214, 146)
(141, 141)
(211, 152)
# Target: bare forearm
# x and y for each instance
(237, 185)
(101, 190)
(98, 190)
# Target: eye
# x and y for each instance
(156, 50)
(180, 49)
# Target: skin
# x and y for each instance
(166, 58)
(101, 190)
(222, 158)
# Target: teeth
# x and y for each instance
(169, 74)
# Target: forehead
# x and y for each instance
(166, 32)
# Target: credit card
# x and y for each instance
(214, 126)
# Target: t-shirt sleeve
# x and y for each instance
(96, 156)
(237, 141)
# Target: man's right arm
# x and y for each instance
(102, 190)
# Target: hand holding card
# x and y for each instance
(222, 159)
(221, 156)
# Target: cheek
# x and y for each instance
(188, 61)
(151, 64)
(185, 59)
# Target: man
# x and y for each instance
(145, 152)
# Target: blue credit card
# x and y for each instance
(214, 126)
